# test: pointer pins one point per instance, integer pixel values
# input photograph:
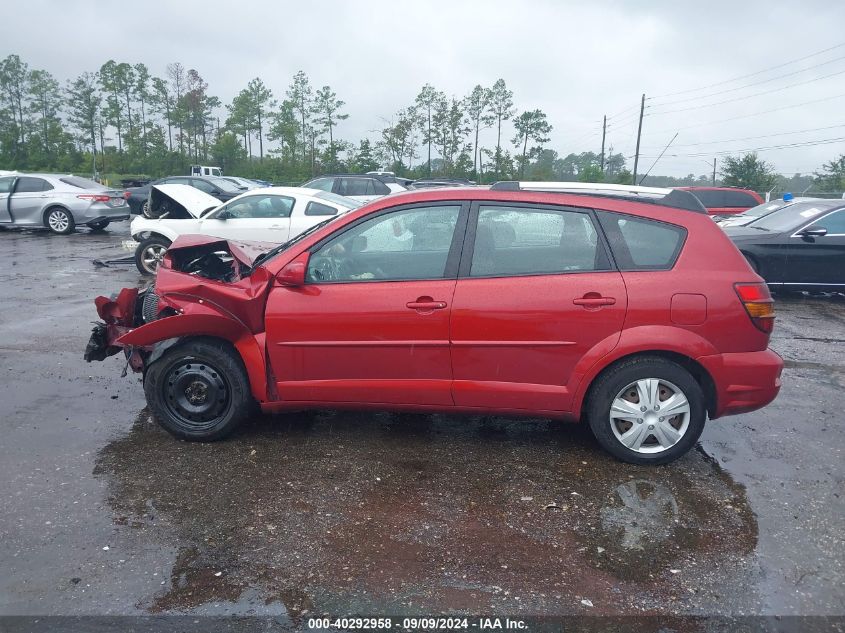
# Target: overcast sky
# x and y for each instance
(574, 61)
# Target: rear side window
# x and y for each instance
(512, 241)
(710, 199)
(27, 184)
(739, 199)
(315, 208)
(356, 187)
(380, 188)
(640, 244)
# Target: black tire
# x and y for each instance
(149, 252)
(59, 220)
(98, 226)
(621, 377)
(199, 390)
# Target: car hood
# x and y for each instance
(245, 252)
(191, 199)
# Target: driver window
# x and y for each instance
(402, 245)
(834, 223)
(259, 207)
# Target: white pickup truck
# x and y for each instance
(268, 214)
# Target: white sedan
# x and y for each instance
(269, 214)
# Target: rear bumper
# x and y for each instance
(744, 381)
(116, 217)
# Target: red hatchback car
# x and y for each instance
(627, 307)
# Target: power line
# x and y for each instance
(745, 116)
(751, 96)
(756, 83)
(750, 138)
(754, 74)
(826, 141)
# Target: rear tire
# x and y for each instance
(59, 220)
(149, 253)
(199, 390)
(646, 410)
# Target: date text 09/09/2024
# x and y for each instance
(417, 623)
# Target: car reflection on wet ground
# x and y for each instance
(338, 512)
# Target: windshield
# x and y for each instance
(790, 217)
(283, 247)
(82, 183)
(763, 209)
(225, 185)
(341, 201)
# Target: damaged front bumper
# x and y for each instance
(120, 315)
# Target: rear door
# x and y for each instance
(28, 199)
(259, 217)
(536, 292)
(372, 322)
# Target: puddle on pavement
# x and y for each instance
(398, 513)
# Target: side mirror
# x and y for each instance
(293, 273)
(223, 215)
(819, 232)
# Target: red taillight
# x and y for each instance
(758, 304)
(126, 195)
(93, 197)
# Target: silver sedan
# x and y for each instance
(59, 203)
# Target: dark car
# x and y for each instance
(219, 188)
(799, 247)
(725, 200)
(594, 306)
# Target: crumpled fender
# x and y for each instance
(202, 319)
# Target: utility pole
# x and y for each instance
(639, 133)
(714, 172)
(603, 133)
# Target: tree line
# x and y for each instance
(123, 120)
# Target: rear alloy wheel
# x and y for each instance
(98, 226)
(59, 221)
(647, 411)
(149, 254)
(199, 390)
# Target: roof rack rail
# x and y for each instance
(674, 198)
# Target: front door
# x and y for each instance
(818, 260)
(259, 217)
(372, 322)
(536, 293)
(5, 188)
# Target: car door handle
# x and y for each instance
(592, 300)
(425, 304)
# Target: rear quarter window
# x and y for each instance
(641, 244)
(739, 199)
(710, 198)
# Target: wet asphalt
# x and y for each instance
(335, 512)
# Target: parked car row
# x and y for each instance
(626, 307)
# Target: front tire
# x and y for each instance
(149, 253)
(59, 221)
(199, 390)
(647, 411)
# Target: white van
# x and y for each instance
(203, 170)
